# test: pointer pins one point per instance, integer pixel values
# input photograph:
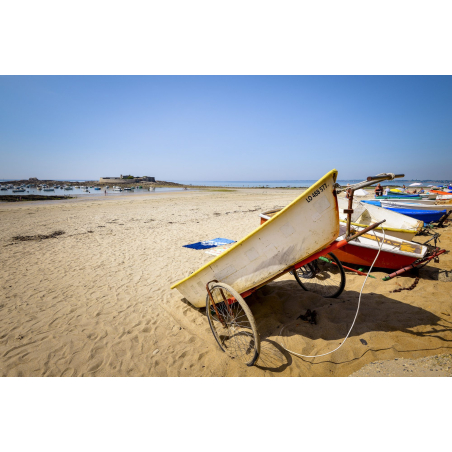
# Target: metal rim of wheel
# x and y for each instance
(322, 277)
(236, 331)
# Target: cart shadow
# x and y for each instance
(278, 305)
(273, 357)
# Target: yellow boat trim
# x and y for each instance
(332, 173)
(379, 227)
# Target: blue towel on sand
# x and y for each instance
(209, 244)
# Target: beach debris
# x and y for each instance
(310, 316)
(39, 237)
(416, 280)
(363, 341)
(155, 351)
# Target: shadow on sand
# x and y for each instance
(278, 305)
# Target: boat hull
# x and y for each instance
(427, 216)
(351, 254)
(305, 226)
(416, 206)
(366, 213)
(401, 198)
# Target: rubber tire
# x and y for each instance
(341, 270)
(247, 310)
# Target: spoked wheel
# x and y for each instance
(232, 323)
(324, 276)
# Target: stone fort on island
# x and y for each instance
(126, 179)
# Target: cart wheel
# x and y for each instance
(322, 276)
(232, 323)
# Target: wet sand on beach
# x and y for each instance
(96, 300)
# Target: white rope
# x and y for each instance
(356, 315)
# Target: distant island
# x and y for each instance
(123, 181)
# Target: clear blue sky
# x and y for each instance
(225, 128)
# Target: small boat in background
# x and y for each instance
(68, 188)
(416, 205)
(117, 189)
(96, 188)
(428, 195)
(443, 192)
(365, 214)
(49, 189)
(395, 253)
(427, 216)
(442, 198)
(127, 189)
(18, 190)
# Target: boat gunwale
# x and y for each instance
(332, 173)
(416, 229)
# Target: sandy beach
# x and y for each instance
(96, 300)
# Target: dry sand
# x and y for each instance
(96, 301)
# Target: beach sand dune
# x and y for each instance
(96, 300)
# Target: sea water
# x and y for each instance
(303, 183)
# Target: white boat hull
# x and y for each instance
(396, 224)
(307, 225)
(416, 206)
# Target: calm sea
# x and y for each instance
(303, 183)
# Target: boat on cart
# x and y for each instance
(297, 238)
(307, 225)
